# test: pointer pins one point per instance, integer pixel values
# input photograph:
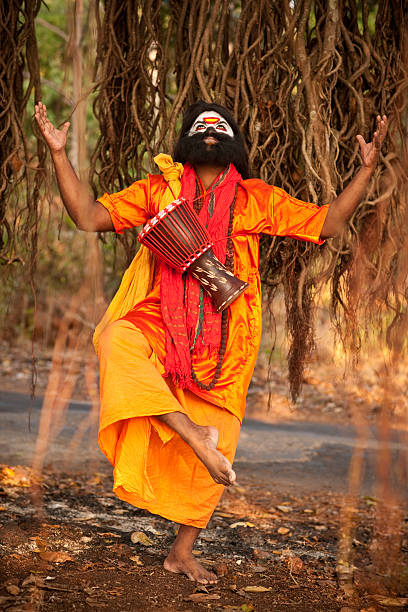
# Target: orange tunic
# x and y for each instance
(259, 208)
(153, 467)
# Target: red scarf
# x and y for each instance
(187, 328)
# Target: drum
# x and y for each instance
(177, 236)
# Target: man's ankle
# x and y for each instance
(179, 421)
(181, 551)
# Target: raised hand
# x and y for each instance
(370, 151)
(55, 139)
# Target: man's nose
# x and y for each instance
(210, 132)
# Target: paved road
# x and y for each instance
(296, 455)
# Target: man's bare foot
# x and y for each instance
(204, 442)
(203, 439)
(185, 563)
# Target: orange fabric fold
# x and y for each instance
(140, 447)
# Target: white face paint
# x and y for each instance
(211, 119)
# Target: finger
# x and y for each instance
(45, 125)
(376, 140)
(39, 118)
(383, 128)
(361, 140)
(40, 110)
(381, 120)
(381, 134)
(42, 119)
(65, 127)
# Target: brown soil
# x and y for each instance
(271, 551)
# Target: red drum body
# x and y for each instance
(177, 236)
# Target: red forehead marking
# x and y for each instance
(211, 119)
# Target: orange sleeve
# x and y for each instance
(132, 206)
(280, 214)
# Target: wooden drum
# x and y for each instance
(177, 236)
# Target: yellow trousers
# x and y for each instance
(153, 467)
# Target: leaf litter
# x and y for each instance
(114, 560)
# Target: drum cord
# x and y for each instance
(229, 264)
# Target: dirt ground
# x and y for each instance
(67, 542)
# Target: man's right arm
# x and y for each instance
(86, 213)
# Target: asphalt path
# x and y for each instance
(292, 456)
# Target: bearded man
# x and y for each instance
(174, 373)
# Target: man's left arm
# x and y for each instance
(342, 208)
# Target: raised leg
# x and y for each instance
(203, 440)
(181, 560)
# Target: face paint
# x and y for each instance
(211, 119)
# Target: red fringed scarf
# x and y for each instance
(185, 329)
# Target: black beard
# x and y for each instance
(193, 149)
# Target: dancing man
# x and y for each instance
(174, 373)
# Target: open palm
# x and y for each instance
(369, 151)
(55, 139)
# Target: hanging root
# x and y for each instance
(302, 81)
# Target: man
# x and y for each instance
(174, 374)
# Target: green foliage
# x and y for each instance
(61, 250)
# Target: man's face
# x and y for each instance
(211, 119)
(210, 141)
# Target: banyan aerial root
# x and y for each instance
(302, 79)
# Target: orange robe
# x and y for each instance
(132, 349)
